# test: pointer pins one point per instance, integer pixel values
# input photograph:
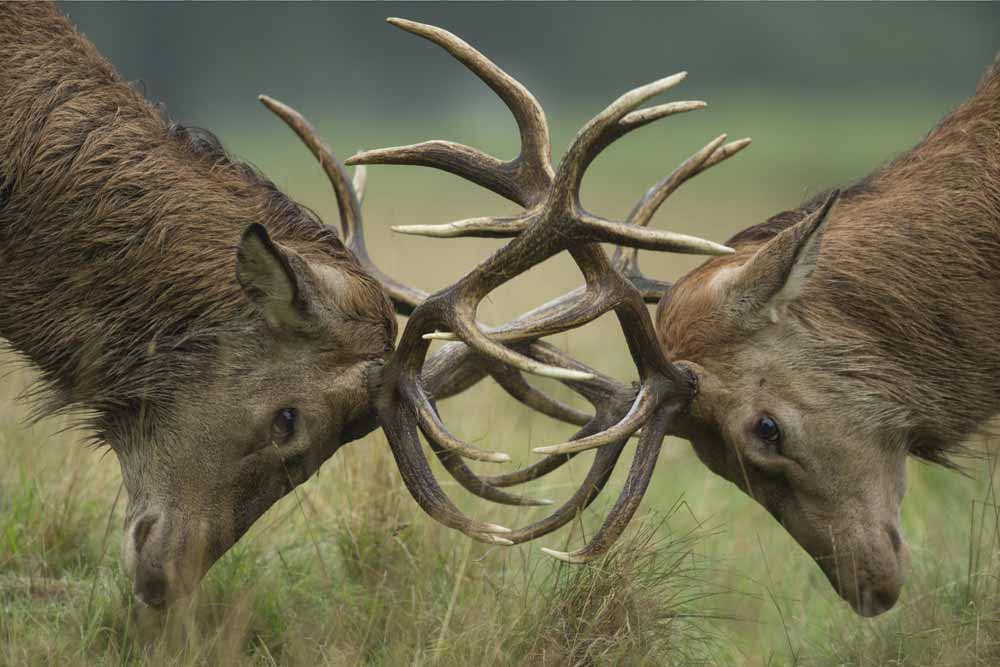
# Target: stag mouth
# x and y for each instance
(875, 603)
(873, 586)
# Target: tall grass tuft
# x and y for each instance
(647, 601)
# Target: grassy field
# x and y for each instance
(348, 571)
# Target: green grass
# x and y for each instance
(348, 571)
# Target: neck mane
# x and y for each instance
(118, 228)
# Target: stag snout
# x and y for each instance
(164, 562)
(150, 585)
(869, 577)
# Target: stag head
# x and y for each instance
(772, 412)
(293, 384)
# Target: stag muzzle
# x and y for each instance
(866, 564)
(166, 559)
(871, 579)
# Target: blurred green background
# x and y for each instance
(347, 570)
(826, 91)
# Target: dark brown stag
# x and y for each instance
(224, 342)
(805, 367)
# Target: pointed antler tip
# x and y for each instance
(673, 79)
(560, 555)
(575, 557)
(405, 24)
(559, 373)
(434, 231)
(440, 335)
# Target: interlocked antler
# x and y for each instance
(553, 220)
(456, 367)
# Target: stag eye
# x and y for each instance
(767, 429)
(283, 425)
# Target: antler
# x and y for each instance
(553, 220)
(349, 197)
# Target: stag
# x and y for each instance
(224, 343)
(804, 366)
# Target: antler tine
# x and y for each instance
(477, 485)
(347, 199)
(611, 400)
(646, 402)
(601, 131)
(569, 311)
(608, 411)
(628, 500)
(435, 431)
(360, 183)
(349, 196)
(525, 179)
(710, 155)
(400, 430)
(450, 371)
(513, 382)
(499, 227)
(602, 393)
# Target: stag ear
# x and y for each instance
(775, 276)
(276, 280)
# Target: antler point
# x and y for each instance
(560, 555)
(440, 335)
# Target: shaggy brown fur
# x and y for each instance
(118, 229)
(837, 341)
(217, 333)
(904, 306)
